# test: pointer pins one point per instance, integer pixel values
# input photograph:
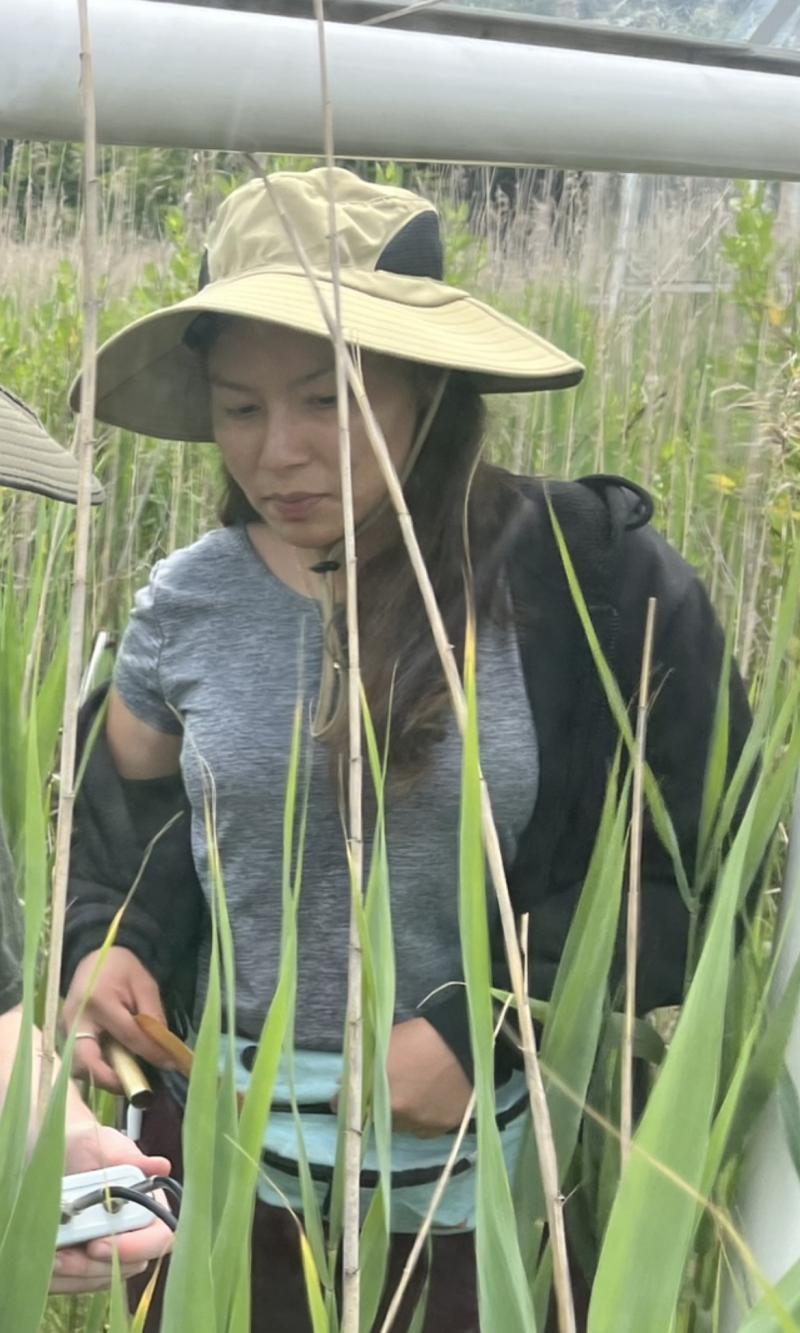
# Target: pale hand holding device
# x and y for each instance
(82, 1221)
(94, 1149)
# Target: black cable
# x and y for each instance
(102, 1196)
(165, 1183)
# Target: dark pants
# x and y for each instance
(278, 1288)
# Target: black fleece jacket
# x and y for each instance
(621, 562)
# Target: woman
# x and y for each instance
(230, 629)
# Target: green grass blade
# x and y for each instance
(378, 969)
(789, 1107)
(232, 1237)
(763, 1070)
(576, 1012)
(189, 1300)
(658, 810)
(316, 1305)
(782, 1300)
(504, 1297)
(118, 1309)
(717, 764)
(652, 1218)
(28, 1244)
(15, 1112)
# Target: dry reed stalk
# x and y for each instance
(436, 1197)
(85, 451)
(548, 1161)
(351, 1262)
(751, 616)
(542, 1127)
(721, 1219)
(635, 884)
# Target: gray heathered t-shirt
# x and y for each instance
(218, 647)
(11, 932)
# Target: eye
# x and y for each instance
(324, 401)
(243, 410)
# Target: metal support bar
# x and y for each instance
(769, 27)
(496, 26)
(192, 77)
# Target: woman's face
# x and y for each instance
(273, 405)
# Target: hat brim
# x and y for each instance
(30, 460)
(149, 381)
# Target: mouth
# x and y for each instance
(294, 505)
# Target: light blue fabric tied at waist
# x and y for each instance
(416, 1163)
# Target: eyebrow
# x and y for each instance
(220, 382)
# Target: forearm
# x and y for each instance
(78, 1115)
(126, 833)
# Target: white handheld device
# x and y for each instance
(110, 1217)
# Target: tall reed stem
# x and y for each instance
(77, 613)
(635, 884)
(351, 1264)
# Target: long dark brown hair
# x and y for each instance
(401, 673)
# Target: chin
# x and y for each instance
(306, 536)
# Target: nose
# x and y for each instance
(283, 442)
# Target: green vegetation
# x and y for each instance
(693, 388)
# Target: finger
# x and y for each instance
(89, 1063)
(121, 1024)
(76, 1286)
(77, 1265)
(135, 1247)
(151, 1166)
(92, 1147)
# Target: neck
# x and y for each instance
(295, 565)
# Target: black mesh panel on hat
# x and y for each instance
(416, 251)
(204, 276)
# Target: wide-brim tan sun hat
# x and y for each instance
(393, 301)
(31, 460)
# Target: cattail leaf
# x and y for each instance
(29, 1231)
(789, 1107)
(764, 1067)
(231, 1240)
(778, 1310)
(118, 1321)
(576, 1011)
(189, 1299)
(773, 797)
(16, 1108)
(49, 705)
(653, 1217)
(658, 810)
(316, 1305)
(504, 1297)
(768, 727)
(717, 762)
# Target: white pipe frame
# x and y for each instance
(174, 75)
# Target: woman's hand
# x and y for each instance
(123, 988)
(428, 1086)
(89, 1267)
